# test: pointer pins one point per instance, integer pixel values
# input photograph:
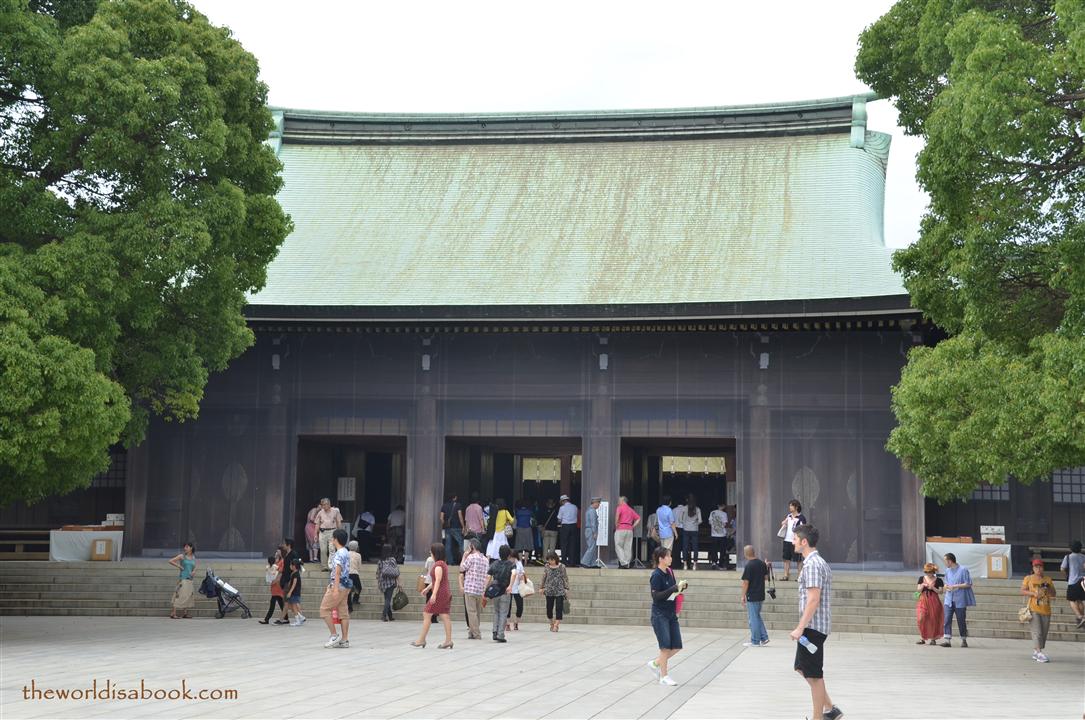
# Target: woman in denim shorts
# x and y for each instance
(664, 616)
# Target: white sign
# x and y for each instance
(602, 538)
(346, 489)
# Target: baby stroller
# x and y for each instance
(229, 599)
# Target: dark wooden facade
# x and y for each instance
(811, 424)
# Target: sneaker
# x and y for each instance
(1035, 653)
(764, 643)
(964, 642)
(332, 641)
(343, 644)
(666, 680)
(946, 643)
(751, 644)
(1081, 622)
(653, 667)
(301, 619)
(295, 623)
(833, 714)
(1040, 657)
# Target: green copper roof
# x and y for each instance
(589, 208)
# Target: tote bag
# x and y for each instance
(400, 599)
(527, 588)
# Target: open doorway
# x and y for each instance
(676, 468)
(528, 473)
(358, 474)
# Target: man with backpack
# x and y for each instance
(499, 591)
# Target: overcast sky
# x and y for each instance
(489, 56)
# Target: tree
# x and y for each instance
(997, 89)
(137, 209)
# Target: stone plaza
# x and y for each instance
(584, 671)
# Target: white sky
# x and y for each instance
(487, 56)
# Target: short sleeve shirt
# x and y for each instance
(661, 580)
(665, 518)
(717, 520)
(1039, 605)
(452, 515)
(474, 567)
(817, 573)
(330, 518)
(755, 573)
(341, 561)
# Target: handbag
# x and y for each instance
(400, 599)
(566, 607)
(509, 531)
(422, 583)
(527, 588)
(1024, 614)
(782, 532)
(679, 601)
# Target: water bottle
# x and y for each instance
(810, 647)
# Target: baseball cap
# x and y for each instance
(563, 497)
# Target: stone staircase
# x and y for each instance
(862, 602)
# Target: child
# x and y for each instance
(293, 592)
(274, 569)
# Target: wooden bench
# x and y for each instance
(24, 543)
(1052, 557)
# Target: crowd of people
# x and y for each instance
(492, 571)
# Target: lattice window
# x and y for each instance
(114, 476)
(992, 492)
(1068, 485)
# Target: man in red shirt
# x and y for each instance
(625, 519)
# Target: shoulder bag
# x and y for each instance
(399, 600)
(1024, 615)
(527, 587)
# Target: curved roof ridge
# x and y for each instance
(841, 101)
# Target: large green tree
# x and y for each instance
(997, 90)
(136, 211)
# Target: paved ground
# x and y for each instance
(581, 672)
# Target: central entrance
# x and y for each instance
(515, 469)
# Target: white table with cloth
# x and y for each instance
(970, 555)
(76, 545)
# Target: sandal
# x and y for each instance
(920, 642)
(516, 625)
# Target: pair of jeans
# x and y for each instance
(958, 610)
(386, 611)
(501, 605)
(554, 604)
(690, 540)
(758, 632)
(276, 601)
(567, 535)
(591, 554)
(516, 598)
(453, 538)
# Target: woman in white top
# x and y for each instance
(792, 520)
(517, 578)
(690, 523)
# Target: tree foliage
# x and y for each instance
(997, 89)
(136, 211)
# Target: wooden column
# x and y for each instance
(755, 478)
(136, 477)
(425, 478)
(913, 520)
